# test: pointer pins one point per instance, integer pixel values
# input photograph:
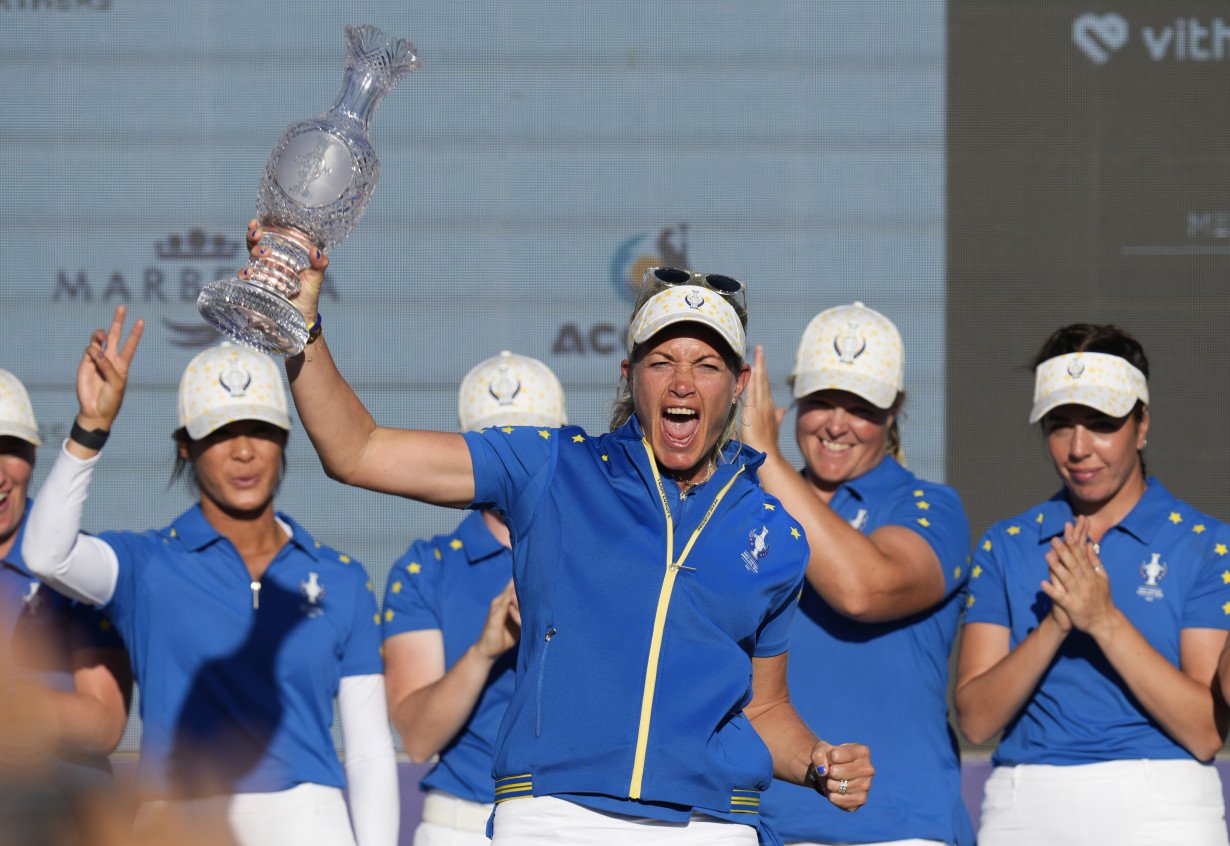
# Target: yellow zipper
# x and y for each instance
(659, 617)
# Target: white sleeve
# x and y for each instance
(79, 566)
(371, 765)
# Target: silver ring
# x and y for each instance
(841, 787)
(1097, 568)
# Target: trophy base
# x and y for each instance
(253, 316)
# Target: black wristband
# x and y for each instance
(89, 438)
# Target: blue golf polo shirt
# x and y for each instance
(41, 630)
(1168, 569)
(883, 684)
(238, 682)
(638, 632)
(447, 584)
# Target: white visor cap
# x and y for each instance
(510, 390)
(1101, 381)
(228, 383)
(16, 413)
(851, 348)
(687, 304)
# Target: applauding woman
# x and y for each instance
(1094, 626)
(880, 609)
(242, 629)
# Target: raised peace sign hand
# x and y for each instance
(762, 419)
(103, 373)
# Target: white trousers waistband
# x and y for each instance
(449, 811)
(305, 815)
(548, 821)
(1127, 803)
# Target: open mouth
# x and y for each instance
(680, 425)
(834, 446)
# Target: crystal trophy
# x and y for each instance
(315, 187)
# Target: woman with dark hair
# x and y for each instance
(655, 580)
(243, 630)
(881, 605)
(1094, 625)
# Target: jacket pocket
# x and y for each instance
(542, 672)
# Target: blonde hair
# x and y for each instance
(624, 406)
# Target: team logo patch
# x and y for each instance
(694, 300)
(1076, 368)
(859, 520)
(505, 386)
(33, 600)
(850, 345)
(312, 592)
(758, 547)
(235, 381)
(1152, 571)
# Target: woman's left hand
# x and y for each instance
(1078, 582)
(841, 773)
(762, 419)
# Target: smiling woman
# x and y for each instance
(655, 580)
(1094, 625)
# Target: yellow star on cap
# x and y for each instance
(576, 439)
(345, 559)
(923, 504)
(1198, 528)
(1225, 577)
(768, 506)
(976, 572)
(396, 587)
(1220, 549)
(455, 543)
(1014, 530)
(986, 546)
(1175, 518)
(507, 430)
(544, 434)
(794, 532)
(415, 567)
(924, 522)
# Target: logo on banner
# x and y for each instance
(1184, 39)
(182, 264)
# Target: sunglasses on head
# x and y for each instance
(727, 286)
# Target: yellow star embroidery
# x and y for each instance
(317, 543)
(370, 587)
(1038, 519)
(1225, 577)
(455, 544)
(577, 439)
(768, 506)
(604, 458)
(923, 504)
(986, 546)
(396, 587)
(544, 434)
(924, 522)
(1175, 518)
(438, 555)
(1226, 608)
(969, 602)
(507, 430)
(388, 615)
(1220, 549)
(977, 571)
(174, 533)
(794, 533)
(1014, 530)
(415, 567)
(376, 618)
(918, 493)
(1198, 528)
(956, 572)
(345, 559)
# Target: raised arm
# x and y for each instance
(898, 572)
(799, 757)
(432, 467)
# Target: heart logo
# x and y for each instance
(1098, 35)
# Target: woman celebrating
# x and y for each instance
(882, 602)
(655, 579)
(1094, 626)
(451, 621)
(241, 627)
